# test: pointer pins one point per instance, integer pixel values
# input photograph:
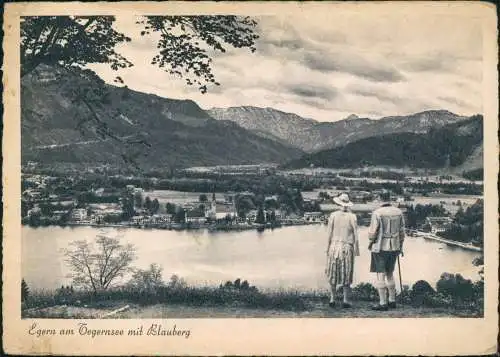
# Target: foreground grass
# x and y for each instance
(200, 302)
(360, 309)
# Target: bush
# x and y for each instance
(422, 287)
(420, 291)
(455, 286)
(436, 300)
(405, 295)
(365, 292)
(478, 261)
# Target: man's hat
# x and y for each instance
(343, 200)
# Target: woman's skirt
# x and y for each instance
(340, 265)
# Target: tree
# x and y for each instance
(260, 219)
(184, 40)
(272, 217)
(170, 208)
(138, 201)
(24, 290)
(155, 206)
(147, 280)
(271, 204)
(127, 204)
(180, 215)
(237, 283)
(203, 198)
(244, 205)
(97, 267)
(148, 204)
(228, 218)
(70, 41)
(75, 41)
(176, 282)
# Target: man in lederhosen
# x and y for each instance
(386, 235)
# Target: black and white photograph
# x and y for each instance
(232, 165)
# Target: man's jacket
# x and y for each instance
(387, 229)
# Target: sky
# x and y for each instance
(371, 66)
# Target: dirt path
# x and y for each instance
(162, 311)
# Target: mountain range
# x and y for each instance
(450, 146)
(133, 129)
(147, 130)
(310, 135)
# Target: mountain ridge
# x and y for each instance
(130, 128)
(310, 135)
(453, 146)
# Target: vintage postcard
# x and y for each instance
(251, 178)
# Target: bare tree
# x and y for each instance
(97, 267)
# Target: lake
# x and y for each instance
(290, 257)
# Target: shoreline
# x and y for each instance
(184, 226)
(458, 244)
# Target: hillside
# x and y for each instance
(129, 128)
(310, 135)
(449, 146)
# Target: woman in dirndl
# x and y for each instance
(342, 247)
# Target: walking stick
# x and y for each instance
(400, 281)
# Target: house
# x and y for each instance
(279, 215)
(161, 219)
(79, 214)
(99, 192)
(195, 216)
(224, 210)
(140, 220)
(439, 224)
(57, 215)
(314, 216)
(357, 196)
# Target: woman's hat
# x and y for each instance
(343, 200)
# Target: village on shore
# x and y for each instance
(128, 202)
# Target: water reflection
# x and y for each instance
(290, 257)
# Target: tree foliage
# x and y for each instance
(468, 225)
(70, 41)
(96, 267)
(416, 215)
(185, 44)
